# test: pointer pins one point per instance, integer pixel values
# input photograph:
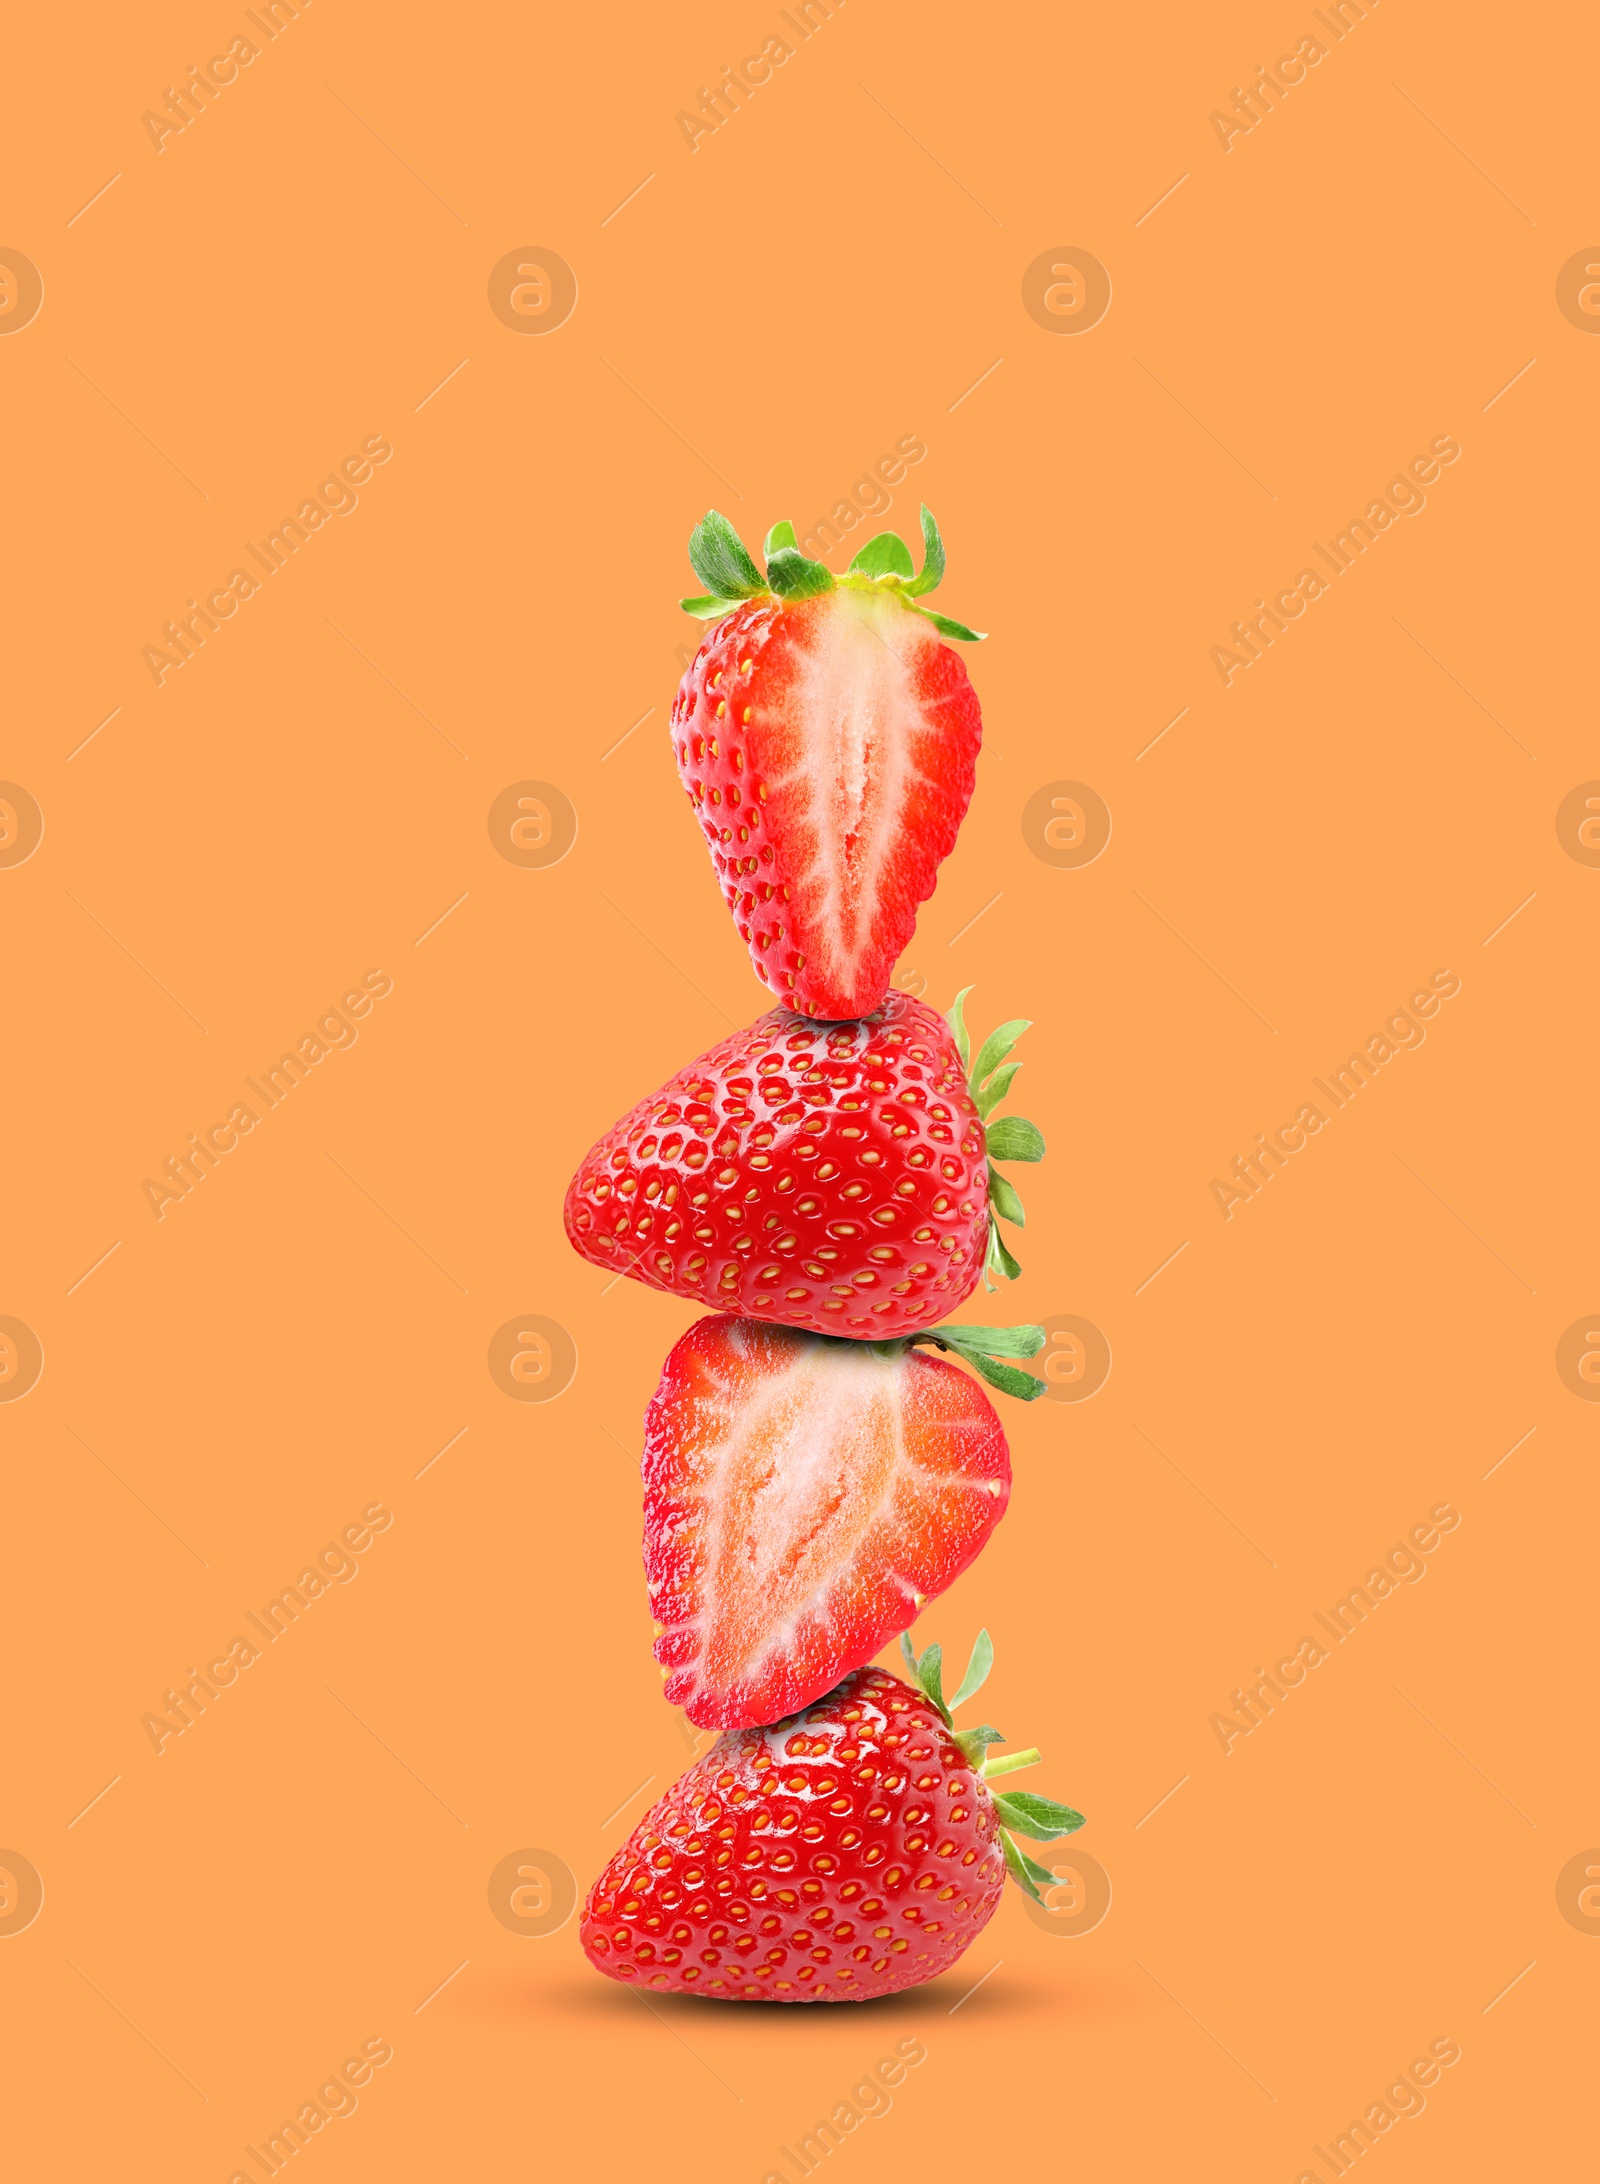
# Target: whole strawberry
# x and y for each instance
(827, 740)
(839, 1177)
(845, 1853)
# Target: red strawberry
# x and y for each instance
(802, 1497)
(834, 1176)
(827, 741)
(845, 1853)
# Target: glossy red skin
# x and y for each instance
(945, 1477)
(823, 1845)
(786, 1167)
(722, 739)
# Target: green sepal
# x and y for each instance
(993, 1342)
(958, 1025)
(1040, 1818)
(792, 576)
(1013, 1138)
(996, 1089)
(998, 1258)
(1026, 1387)
(1004, 1199)
(721, 561)
(996, 1047)
(974, 1742)
(932, 558)
(1041, 1874)
(885, 555)
(978, 1347)
(981, 1659)
(946, 628)
(781, 534)
(1023, 1869)
(708, 610)
(926, 1670)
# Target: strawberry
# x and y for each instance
(803, 1497)
(827, 741)
(839, 1177)
(848, 1852)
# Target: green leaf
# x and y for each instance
(946, 628)
(996, 1047)
(1022, 1868)
(781, 534)
(958, 1025)
(1041, 1818)
(999, 1257)
(974, 1742)
(981, 1662)
(1036, 1872)
(909, 1650)
(996, 1089)
(1004, 1199)
(720, 560)
(993, 1342)
(932, 558)
(929, 1676)
(1024, 1386)
(885, 555)
(1011, 1138)
(792, 576)
(708, 610)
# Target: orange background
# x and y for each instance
(306, 799)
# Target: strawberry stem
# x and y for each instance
(1013, 1763)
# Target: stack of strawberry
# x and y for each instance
(826, 1182)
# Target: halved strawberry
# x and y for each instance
(827, 741)
(835, 1176)
(803, 1496)
(852, 1851)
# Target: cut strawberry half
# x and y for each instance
(827, 740)
(804, 1495)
